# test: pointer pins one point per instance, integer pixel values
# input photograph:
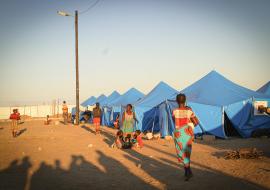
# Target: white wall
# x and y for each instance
(33, 111)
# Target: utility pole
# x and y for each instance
(77, 70)
(62, 13)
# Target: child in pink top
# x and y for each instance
(138, 138)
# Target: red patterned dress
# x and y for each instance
(183, 134)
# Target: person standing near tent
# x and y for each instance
(65, 112)
(97, 113)
(128, 120)
(183, 134)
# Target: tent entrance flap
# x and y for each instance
(229, 129)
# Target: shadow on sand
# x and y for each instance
(172, 172)
(15, 176)
(21, 132)
(109, 173)
(89, 129)
(81, 174)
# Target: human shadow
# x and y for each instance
(119, 176)
(21, 132)
(173, 174)
(91, 130)
(62, 122)
(21, 122)
(160, 150)
(109, 173)
(83, 175)
(210, 178)
(15, 175)
(109, 142)
(109, 137)
(87, 129)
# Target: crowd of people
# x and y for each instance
(129, 141)
(127, 137)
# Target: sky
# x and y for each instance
(128, 43)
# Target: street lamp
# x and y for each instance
(62, 13)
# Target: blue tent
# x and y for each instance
(101, 99)
(114, 95)
(129, 97)
(73, 113)
(106, 116)
(116, 106)
(265, 89)
(214, 98)
(147, 111)
(89, 102)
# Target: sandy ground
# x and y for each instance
(72, 157)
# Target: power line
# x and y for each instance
(90, 7)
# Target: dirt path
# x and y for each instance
(68, 157)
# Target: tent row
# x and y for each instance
(265, 89)
(223, 107)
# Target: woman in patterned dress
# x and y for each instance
(183, 134)
(128, 120)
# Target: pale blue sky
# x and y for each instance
(129, 43)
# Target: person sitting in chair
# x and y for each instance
(263, 109)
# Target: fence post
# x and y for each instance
(58, 108)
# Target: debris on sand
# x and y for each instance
(90, 146)
(246, 153)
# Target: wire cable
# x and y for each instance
(90, 7)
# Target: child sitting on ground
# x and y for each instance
(137, 141)
(48, 121)
(118, 142)
(116, 122)
(127, 143)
